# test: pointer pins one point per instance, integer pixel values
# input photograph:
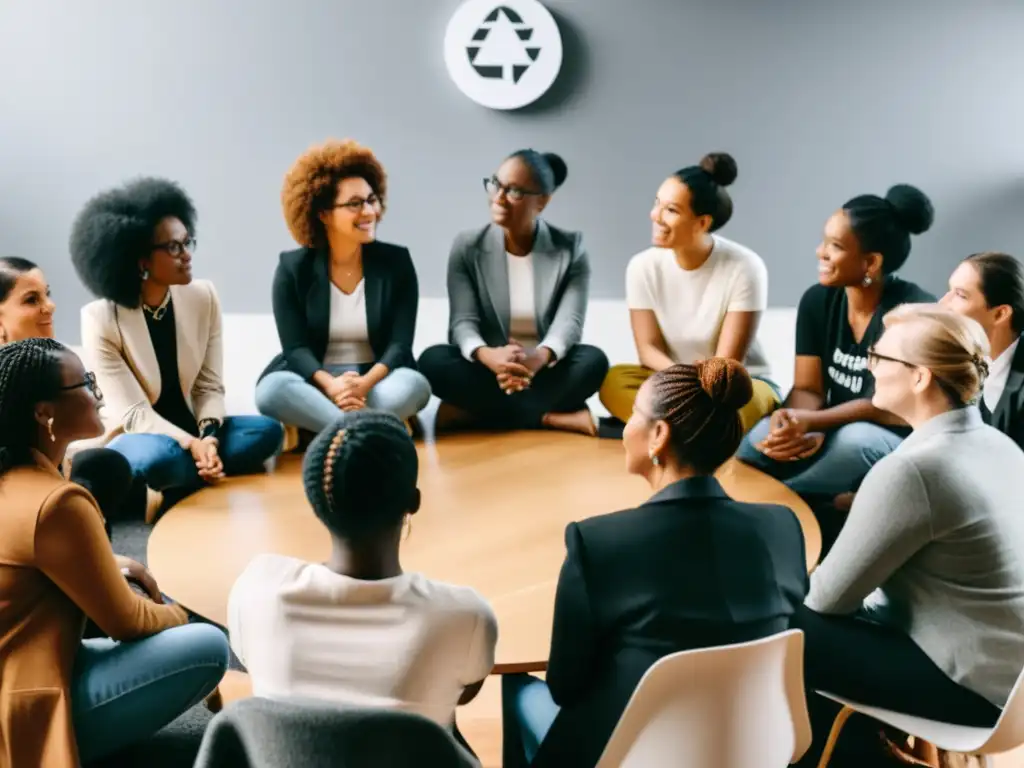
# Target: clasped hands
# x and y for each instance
(207, 459)
(348, 391)
(514, 365)
(789, 439)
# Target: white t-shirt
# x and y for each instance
(404, 643)
(998, 374)
(349, 337)
(522, 302)
(690, 305)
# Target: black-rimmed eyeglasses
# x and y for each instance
(177, 247)
(874, 357)
(515, 194)
(88, 381)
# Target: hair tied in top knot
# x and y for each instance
(726, 382)
(721, 167)
(911, 207)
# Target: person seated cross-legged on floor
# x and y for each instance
(919, 606)
(62, 698)
(689, 568)
(828, 434)
(154, 339)
(345, 303)
(694, 294)
(517, 291)
(357, 629)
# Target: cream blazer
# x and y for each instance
(118, 349)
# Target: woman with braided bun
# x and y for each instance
(919, 605)
(154, 338)
(633, 587)
(827, 435)
(63, 698)
(357, 629)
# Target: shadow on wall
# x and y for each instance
(572, 78)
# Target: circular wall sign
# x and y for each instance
(503, 54)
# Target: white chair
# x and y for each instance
(1006, 734)
(732, 706)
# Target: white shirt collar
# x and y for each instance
(998, 373)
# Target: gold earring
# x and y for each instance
(49, 428)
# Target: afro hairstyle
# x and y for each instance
(115, 229)
(312, 182)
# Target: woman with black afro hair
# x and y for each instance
(396, 639)
(827, 435)
(153, 338)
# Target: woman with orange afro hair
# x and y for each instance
(344, 303)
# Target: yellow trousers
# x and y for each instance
(622, 382)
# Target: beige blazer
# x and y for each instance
(118, 349)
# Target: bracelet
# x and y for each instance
(208, 428)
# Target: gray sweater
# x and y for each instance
(937, 528)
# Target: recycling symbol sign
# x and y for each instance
(503, 54)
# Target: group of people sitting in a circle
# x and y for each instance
(910, 410)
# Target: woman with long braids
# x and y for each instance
(62, 698)
(630, 590)
(397, 639)
(154, 338)
(26, 312)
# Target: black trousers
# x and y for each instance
(471, 386)
(878, 666)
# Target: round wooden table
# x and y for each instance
(494, 513)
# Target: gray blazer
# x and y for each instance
(937, 528)
(478, 292)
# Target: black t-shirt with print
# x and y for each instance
(823, 331)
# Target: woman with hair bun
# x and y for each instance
(629, 592)
(693, 294)
(517, 291)
(919, 605)
(828, 434)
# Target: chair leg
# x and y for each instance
(833, 736)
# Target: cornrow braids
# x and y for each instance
(30, 373)
(360, 474)
(701, 405)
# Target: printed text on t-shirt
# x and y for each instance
(845, 370)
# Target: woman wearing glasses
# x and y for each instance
(517, 291)
(153, 337)
(829, 434)
(344, 303)
(919, 606)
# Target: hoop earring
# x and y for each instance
(867, 281)
(49, 428)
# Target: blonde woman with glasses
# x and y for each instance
(919, 606)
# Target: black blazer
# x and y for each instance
(690, 568)
(1008, 417)
(302, 307)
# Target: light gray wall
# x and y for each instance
(817, 99)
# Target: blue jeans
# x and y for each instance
(838, 466)
(246, 442)
(122, 693)
(290, 399)
(527, 712)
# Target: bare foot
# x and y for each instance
(449, 418)
(154, 502)
(581, 421)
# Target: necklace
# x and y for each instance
(157, 313)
